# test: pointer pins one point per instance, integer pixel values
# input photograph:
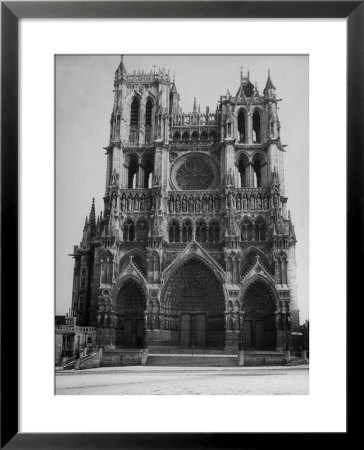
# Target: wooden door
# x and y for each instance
(247, 334)
(128, 333)
(259, 334)
(186, 330)
(200, 330)
(139, 333)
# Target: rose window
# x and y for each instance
(194, 174)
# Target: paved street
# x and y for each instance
(185, 380)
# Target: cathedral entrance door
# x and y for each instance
(128, 333)
(139, 333)
(247, 334)
(253, 334)
(200, 330)
(259, 331)
(186, 330)
(131, 305)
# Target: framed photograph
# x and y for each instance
(212, 147)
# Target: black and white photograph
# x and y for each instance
(182, 224)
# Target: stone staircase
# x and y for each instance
(192, 360)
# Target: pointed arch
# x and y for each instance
(259, 303)
(174, 231)
(194, 136)
(129, 306)
(201, 231)
(149, 121)
(176, 136)
(138, 258)
(246, 229)
(257, 118)
(259, 229)
(131, 161)
(242, 126)
(214, 231)
(128, 230)
(142, 228)
(187, 230)
(185, 136)
(194, 287)
(242, 164)
(250, 258)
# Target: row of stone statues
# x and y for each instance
(134, 202)
(250, 201)
(193, 203)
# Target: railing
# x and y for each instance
(79, 329)
(194, 143)
(65, 328)
(193, 119)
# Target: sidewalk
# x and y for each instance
(174, 369)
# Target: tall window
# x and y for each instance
(256, 127)
(148, 173)
(241, 126)
(246, 230)
(142, 230)
(187, 231)
(132, 172)
(201, 231)
(134, 122)
(134, 112)
(214, 232)
(129, 230)
(148, 122)
(242, 172)
(257, 166)
(194, 136)
(204, 136)
(174, 235)
(185, 137)
(259, 227)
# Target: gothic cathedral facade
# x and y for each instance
(195, 247)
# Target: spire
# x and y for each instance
(173, 88)
(194, 105)
(86, 224)
(121, 68)
(92, 218)
(269, 84)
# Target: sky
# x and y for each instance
(84, 100)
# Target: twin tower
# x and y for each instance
(195, 247)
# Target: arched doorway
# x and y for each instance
(194, 299)
(259, 330)
(131, 303)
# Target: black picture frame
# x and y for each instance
(11, 12)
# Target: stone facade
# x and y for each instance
(195, 247)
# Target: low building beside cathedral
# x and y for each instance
(195, 247)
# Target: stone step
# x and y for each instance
(189, 351)
(192, 361)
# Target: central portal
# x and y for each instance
(193, 330)
(194, 298)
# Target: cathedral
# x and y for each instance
(195, 247)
